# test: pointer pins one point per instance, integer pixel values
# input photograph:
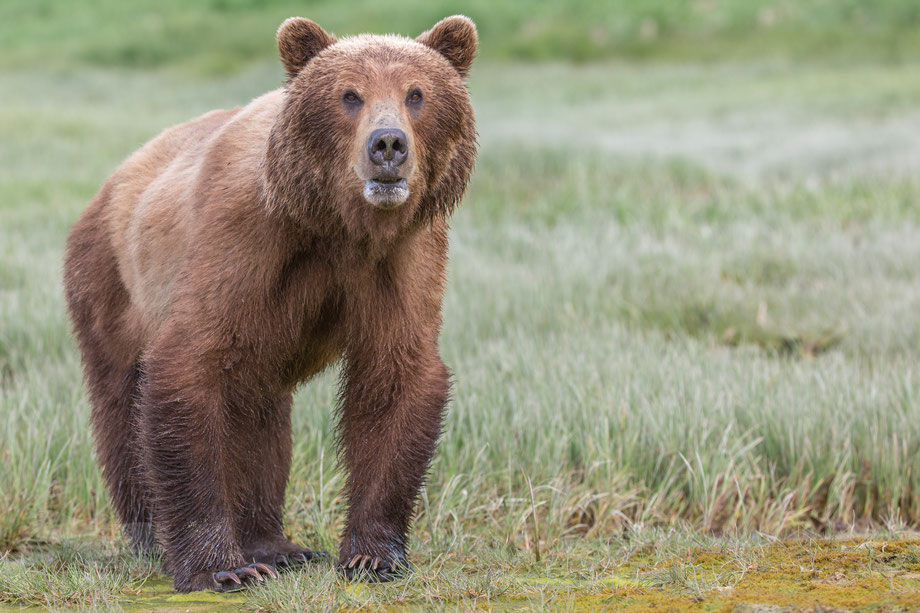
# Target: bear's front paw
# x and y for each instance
(375, 569)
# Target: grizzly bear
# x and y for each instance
(239, 254)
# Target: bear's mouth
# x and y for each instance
(386, 192)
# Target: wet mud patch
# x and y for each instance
(157, 594)
(802, 574)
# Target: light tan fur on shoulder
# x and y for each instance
(157, 193)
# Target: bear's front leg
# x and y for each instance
(194, 464)
(393, 405)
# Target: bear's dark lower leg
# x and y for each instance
(261, 492)
(115, 433)
(390, 427)
(116, 445)
(186, 456)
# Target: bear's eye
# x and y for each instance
(350, 97)
(414, 97)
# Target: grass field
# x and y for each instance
(683, 313)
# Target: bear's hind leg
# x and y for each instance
(115, 431)
(97, 300)
(261, 504)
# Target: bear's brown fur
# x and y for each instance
(241, 253)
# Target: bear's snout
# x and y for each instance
(387, 148)
(386, 168)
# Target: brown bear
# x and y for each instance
(239, 254)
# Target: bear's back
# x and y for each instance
(156, 195)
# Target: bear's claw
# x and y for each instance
(232, 580)
(362, 562)
(265, 568)
(373, 568)
(226, 575)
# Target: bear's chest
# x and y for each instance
(319, 341)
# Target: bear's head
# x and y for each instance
(375, 130)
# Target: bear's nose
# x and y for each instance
(387, 145)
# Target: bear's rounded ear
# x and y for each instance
(455, 38)
(299, 40)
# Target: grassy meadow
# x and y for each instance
(683, 311)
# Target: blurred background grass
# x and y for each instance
(684, 287)
(223, 35)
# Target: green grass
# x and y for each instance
(683, 311)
